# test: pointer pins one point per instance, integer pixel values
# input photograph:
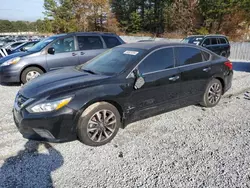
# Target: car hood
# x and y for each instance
(20, 54)
(59, 81)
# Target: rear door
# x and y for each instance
(214, 46)
(65, 54)
(89, 46)
(162, 83)
(195, 70)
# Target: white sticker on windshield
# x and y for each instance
(131, 52)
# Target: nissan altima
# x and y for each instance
(90, 102)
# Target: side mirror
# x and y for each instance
(139, 82)
(51, 51)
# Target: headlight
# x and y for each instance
(11, 62)
(49, 106)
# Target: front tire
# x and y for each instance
(212, 94)
(98, 124)
(30, 73)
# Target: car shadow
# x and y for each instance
(10, 84)
(31, 168)
(241, 66)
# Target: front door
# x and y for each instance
(195, 73)
(160, 91)
(89, 47)
(65, 54)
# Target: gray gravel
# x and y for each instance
(189, 147)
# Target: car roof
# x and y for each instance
(92, 33)
(155, 45)
(215, 35)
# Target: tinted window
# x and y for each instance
(113, 61)
(89, 42)
(159, 60)
(207, 42)
(206, 56)
(29, 45)
(64, 45)
(223, 41)
(213, 41)
(16, 44)
(187, 55)
(111, 41)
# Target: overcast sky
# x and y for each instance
(28, 10)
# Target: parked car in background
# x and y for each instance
(219, 44)
(12, 45)
(6, 42)
(54, 53)
(90, 102)
(23, 47)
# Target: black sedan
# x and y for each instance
(127, 83)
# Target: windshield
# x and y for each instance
(40, 45)
(113, 61)
(193, 40)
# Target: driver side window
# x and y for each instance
(64, 45)
(159, 60)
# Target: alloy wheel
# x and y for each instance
(214, 93)
(101, 126)
(31, 75)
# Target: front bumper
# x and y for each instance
(8, 75)
(58, 126)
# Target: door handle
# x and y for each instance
(74, 54)
(207, 69)
(174, 78)
(82, 53)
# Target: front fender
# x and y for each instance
(87, 96)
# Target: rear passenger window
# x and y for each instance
(111, 41)
(158, 60)
(89, 42)
(214, 41)
(187, 56)
(223, 41)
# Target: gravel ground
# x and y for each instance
(189, 147)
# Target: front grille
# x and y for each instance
(21, 100)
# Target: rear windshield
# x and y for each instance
(193, 40)
(113, 61)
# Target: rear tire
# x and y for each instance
(98, 124)
(30, 73)
(212, 94)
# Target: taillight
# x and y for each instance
(229, 65)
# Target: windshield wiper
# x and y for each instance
(89, 71)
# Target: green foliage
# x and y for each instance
(135, 23)
(133, 16)
(202, 31)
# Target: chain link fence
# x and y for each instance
(240, 51)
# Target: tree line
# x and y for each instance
(229, 17)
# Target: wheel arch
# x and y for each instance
(31, 65)
(222, 83)
(110, 101)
